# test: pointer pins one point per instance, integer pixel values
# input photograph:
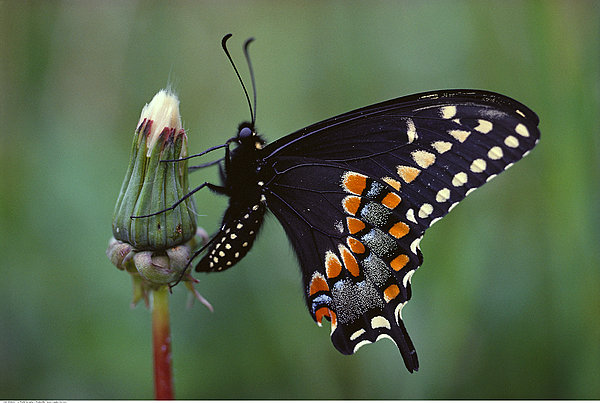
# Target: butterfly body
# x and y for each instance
(355, 194)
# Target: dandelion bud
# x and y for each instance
(151, 185)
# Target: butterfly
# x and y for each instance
(355, 194)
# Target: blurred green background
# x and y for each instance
(507, 303)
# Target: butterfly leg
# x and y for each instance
(208, 164)
(226, 145)
(214, 188)
(199, 251)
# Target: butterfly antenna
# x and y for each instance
(224, 45)
(249, 62)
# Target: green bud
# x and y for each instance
(156, 250)
(150, 185)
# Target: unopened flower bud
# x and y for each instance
(155, 249)
(151, 185)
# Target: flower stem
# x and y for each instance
(161, 340)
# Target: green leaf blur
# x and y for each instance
(507, 303)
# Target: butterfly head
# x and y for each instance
(247, 136)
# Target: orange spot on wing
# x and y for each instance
(354, 182)
(355, 245)
(349, 261)
(325, 312)
(333, 266)
(391, 200)
(317, 284)
(399, 230)
(392, 182)
(399, 262)
(354, 225)
(391, 292)
(408, 174)
(333, 318)
(351, 204)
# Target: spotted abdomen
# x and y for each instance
(235, 238)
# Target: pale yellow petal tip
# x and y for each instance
(163, 110)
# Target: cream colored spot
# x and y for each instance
(414, 246)
(448, 112)
(495, 153)
(423, 159)
(222, 254)
(478, 165)
(520, 113)
(408, 174)
(470, 191)
(425, 210)
(233, 236)
(511, 141)
(484, 126)
(240, 226)
(441, 146)
(522, 130)
(490, 178)
(407, 277)
(459, 179)
(411, 130)
(434, 221)
(452, 207)
(237, 255)
(362, 343)
(392, 182)
(380, 321)
(443, 195)
(227, 246)
(460, 135)
(357, 334)
(245, 244)
(410, 215)
(398, 311)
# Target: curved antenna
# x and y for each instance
(247, 54)
(224, 45)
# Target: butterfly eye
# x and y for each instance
(245, 132)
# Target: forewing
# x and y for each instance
(380, 127)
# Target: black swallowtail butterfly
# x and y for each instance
(356, 192)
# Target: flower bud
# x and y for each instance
(155, 250)
(151, 186)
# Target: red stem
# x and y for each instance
(161, 341)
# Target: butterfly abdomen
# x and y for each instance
(244, 216)
(235, 238)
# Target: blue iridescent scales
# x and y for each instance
(355, 194)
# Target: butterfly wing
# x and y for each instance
(355, 194)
